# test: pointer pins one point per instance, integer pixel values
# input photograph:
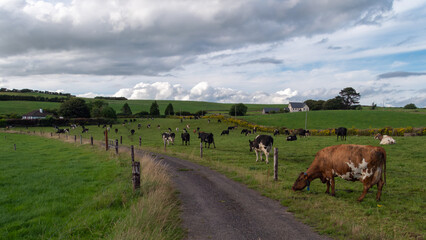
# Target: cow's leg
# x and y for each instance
(257, 158)
(267, 156)
(333, 192)
(214, 145)
(328, 187)
(364, 192)
(379, 189)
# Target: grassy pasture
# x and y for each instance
(400, 214)
(338, 118)
(55, 190)
(22, 107)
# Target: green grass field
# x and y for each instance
(22, 107)
(338, 118)
(55, 190)
(400, 214)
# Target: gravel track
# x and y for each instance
(215, 207)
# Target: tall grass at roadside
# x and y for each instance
(50, 189)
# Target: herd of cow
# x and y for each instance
(350, 162)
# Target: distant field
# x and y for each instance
(346, 118)
(22, 107)
(400, 214)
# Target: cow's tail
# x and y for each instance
(384, 165)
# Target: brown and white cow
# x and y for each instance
(351, 162)
(384, 139)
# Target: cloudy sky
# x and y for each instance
(251, 51)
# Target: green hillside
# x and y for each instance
(346, 118)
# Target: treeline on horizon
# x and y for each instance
(5, 97)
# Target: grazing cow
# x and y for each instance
(104, 126)
(85, 130)
(116, 130)
(244, 131)
(148, 126)
(351, 162)
(286, 132)
(206, 138)
(248, 132)
(385, 139)
(341, 131)
(254, 130)
(177, 129)
(292, 138)
(169, 137)
(276, 132)
(139, 126)
(158, 126)
(225, 132)
(59, 130)
(185, 138)
(169, 129)
(302, 132)
(132, 131)
(188, 126)
(219, 121)
(262, 143)
(232, 128)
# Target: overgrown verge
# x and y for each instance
(80, 192)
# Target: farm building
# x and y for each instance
(298, 107)
(270, 110)
(36, 114)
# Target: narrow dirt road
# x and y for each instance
(215, 207)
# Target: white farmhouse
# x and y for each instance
(36, 114)
(298, 107)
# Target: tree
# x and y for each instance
(108, 112)
(154, 110)
(410, 106)
(74, 108)
(96, 108)
(240, 108)
(125, 110)
(314, 105)
(349, 97)
(334, 104)
(169, 110)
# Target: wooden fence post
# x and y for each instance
(75, 138)
(116, 146)
(276, 164)
(201, 150)
(140, 141)
(91, 140)
(136, 170)
(106, 140)
(51, 134)
(121, 139)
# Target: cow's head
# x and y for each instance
(301, 182)
(251, 144)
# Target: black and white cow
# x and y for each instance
(206, 138)
(244, 131)
(224, 132)
(276, 132)
(341, 131)
(262, 143)
(292, 138)
(185, 138)
(168, 137)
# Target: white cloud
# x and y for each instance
(202, 92)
